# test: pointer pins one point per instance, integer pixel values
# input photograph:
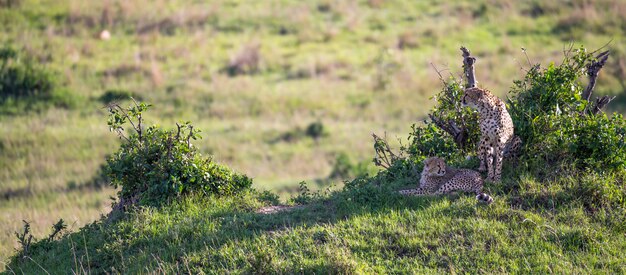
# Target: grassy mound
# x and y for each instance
(541, 228)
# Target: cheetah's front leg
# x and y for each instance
(498, 157)
(483, 149)
(490, 167)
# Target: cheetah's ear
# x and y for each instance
(473, 92)
(479, 94)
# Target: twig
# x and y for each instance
(593, 69)
(178, 126)
(189, 136)
(127, 117)
(567, 52)
(437, 71)
(384, 156)
(139, 121)
(56, 229)
(25, 239)
(119, 130)
(603, 46)
(527, 58)
(600, 103)
(459, 134)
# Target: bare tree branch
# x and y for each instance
(458, 133)
(600, 103)
(468, 68)
(384, 156)
(438, 72)
(592, 71)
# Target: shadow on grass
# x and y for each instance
(136, 238)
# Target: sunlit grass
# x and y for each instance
(318, 63)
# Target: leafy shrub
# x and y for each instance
(429, 140)
(364, 191)
(269, 197)
(544, 95)
(304, 194)
(449, 109)
(19, 77)
(154, 166)
(315, 130)
(598, 141)
(26, 238)
(561, 138)
(551, 117)
(25, 85)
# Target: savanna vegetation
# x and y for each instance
(287, 94)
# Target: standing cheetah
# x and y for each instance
(496, 129)
(438, 178)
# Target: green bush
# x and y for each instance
(315, 130)
(561, 138)
(25, 85)
(552, 120)
(598, 141)
(549, 114)
(154, 166)
(429, 140)
(449, 108)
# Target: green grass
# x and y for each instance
(318, 63)
(349, 231)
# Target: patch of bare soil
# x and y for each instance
(276, 208)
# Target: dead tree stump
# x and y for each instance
(593, 69)
(468, 68)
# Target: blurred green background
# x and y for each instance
(283, 90)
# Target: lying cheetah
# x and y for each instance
(438, 178)
(496, 129)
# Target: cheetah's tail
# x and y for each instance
(408, 192)
(484, 198)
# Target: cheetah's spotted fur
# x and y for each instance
(438, 178)
(496, 129)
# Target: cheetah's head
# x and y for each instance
(434, 166)
(473, 97)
